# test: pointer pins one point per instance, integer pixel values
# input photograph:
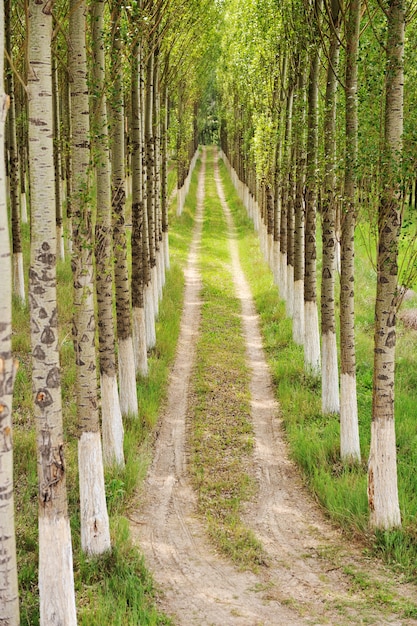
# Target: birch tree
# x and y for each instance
(111, 416)
(382, 468)
(349, 428)
(8, 566)
(95, 531)
(126, 362)
(56, 582)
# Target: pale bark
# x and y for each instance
(110, 406)
(95, 538)
(311, 324)
(330, 377)
(382, 468)
(127, 374)
(57, 591)
(14, 186)
(285, 194)
(349, 428)
(8, 566)
(138, 236)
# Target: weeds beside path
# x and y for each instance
(301, 572)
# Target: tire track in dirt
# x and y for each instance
(199, 586)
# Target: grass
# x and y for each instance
(115, 589)
(313, 437)
(221, 429)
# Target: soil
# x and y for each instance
(312, 568)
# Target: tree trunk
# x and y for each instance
(329, 371)
(13, 162)
(311, 320)
(111, 417)
(138, 237)
(382, 468)
(150, 303)
(8, 565)
(56, 582)
(349, 429)
(95, 532)
(57, 163)
(298, 306)
(285, 193)
(127, 374)
(164, 177)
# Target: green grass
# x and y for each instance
(221, 429)
(115, 589)
(314, 438)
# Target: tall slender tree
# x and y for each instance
(311, 320)
(111, 417)
(127, 376)
(349, 428)
(8, 566)
(329, 370)
(56, 581)
(382, 468)
(95, 531)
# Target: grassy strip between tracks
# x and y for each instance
(314, 437)
(116, 589)
(221, 433)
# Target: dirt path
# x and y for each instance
(304, 582)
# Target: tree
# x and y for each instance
(382, 468)
(349, 428)
(95, 531)
(311, 320)
(8, 566)
(56, 582)
(329, 367)
(111, 416)
(127, 376)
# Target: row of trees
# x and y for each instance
(91, 88)
(312, 102)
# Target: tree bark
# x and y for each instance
(349, 429)
(311, 321)
(329, 367)
(95, 531)
(111, 417)
(127, 375)
(56, 582)
(138, 224)
(8, 564)
(382, 468)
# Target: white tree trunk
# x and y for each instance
(382, 476)
(312, 339)
(23, 208)
(350, 450)
(283, 275)
(57, 607)
(139, 341)
(111, 422)
(329, 374)
(95, 534)
(289, 300)
(155, 290)
(298, 334)
(127, 378)
(8, 566)
(148, 296)
(165, 243)
(19, 277)
(276, 263)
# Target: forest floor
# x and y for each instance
(314, 574)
